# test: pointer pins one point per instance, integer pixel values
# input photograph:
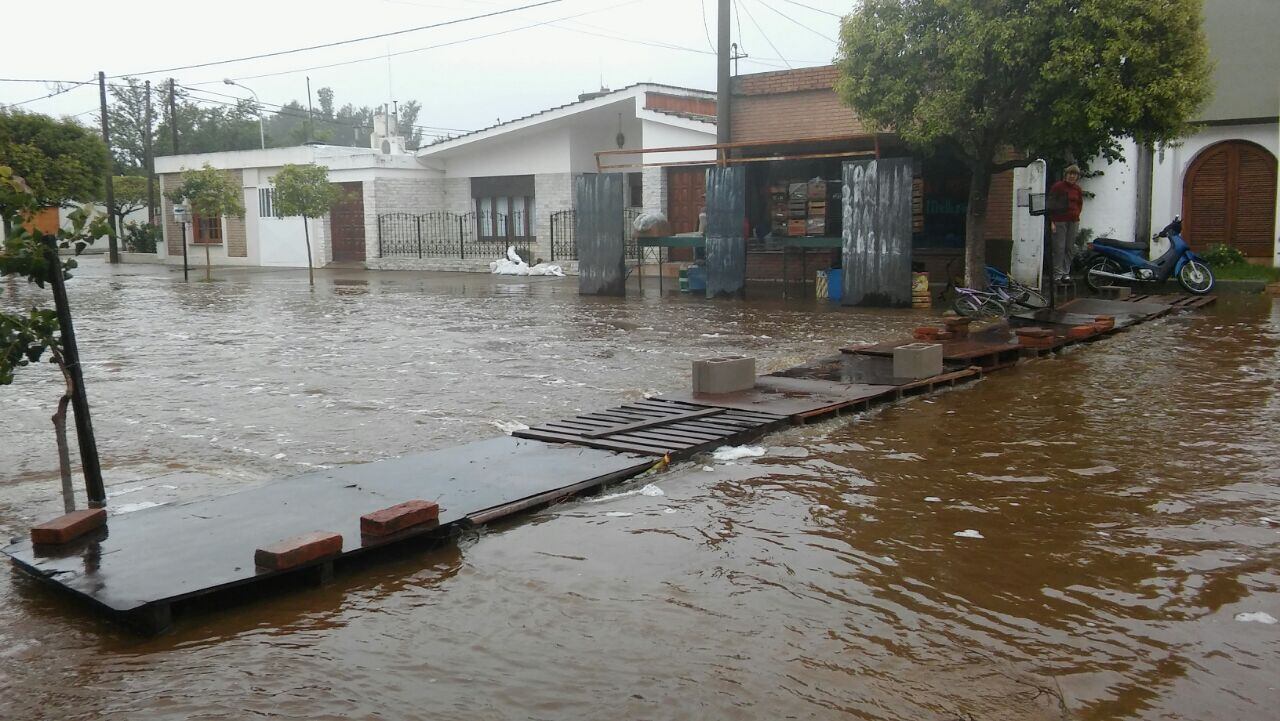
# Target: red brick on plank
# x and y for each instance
(1033, 332)
(1077, 332)
(69, 527)
(398, 518)
(298, 550)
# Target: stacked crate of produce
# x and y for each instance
(797, 212)
(816, 217)
(778, 209)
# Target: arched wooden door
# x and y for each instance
(1229, 197)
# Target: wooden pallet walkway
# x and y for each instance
(141, 563)
(660, 426)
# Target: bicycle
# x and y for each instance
(1012, 292)
(972, 302)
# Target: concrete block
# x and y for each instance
(69, 527)
(398, 518)
(298, 550)
(724, 375)
(917, 360)
(1114, 292)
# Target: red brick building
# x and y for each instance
(795, 116)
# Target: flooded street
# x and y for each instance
(1072, 538)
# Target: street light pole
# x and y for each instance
(262, 135)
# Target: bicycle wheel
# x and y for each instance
(1031, 298)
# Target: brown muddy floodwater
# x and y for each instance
(1121, 502)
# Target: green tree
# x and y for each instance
(61, 162)
(127, 118)
(1059, 79)
(210, 193)
(25, 338)
(304, 190)
(130, 193)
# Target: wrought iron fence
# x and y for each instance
(442, 234)
(564, 245)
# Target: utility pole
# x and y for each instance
(149, 161)
(173, 117)
(735, 56)
(722, 71)
(114, 255)
(79, 401)
(309, 120)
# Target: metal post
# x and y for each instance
(553, 237)
(173, 117)
(1048, 236)
(184, 250)
(114, 249)
(380, 236)
(79, 400)
(151, 169)
(417, 223)
(462, 250)
(722, 72)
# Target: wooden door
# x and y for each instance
(1229, 197)
(686, 198)
(346, 223)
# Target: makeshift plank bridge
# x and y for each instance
(137, 567)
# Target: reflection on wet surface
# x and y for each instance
(1071, 538)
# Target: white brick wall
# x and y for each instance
(553, 192)
(398, 195)
(655, 190)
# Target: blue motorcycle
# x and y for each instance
(1115, 260)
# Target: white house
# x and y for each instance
(1223, 179)
(455, 204)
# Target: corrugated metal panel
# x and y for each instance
(726, 248)
(598, 230)
(877, 232)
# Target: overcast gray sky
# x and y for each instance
(532, 59)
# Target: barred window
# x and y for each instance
(266, 202)
(206, 231)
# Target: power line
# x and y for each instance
(59, 91)
(277, 106)
(35, 80)
(752, 18)
(793, 20)
(340, 42)
(384, 56)
(816, 10)
(705, 28)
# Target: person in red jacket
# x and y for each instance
(1065, 222)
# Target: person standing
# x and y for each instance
(1069, 198)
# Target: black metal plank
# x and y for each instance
(599, 232)
(603, 444)
(877, 232)
(726, 261)
(658, 421)
(173, 552)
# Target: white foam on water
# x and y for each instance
(1094, 471)
(967, 533)
(509, 427)
(648, 490)
(123, 491)
(131, 507)
(710, 468)
(1256, 617)
(932, 499)
(668, 510)
(733, 453)
(618, 514)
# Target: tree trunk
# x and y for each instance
(208, 265)
(64, 454)
(306, 232)
(975, 227)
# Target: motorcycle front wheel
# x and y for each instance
(1196, 277)
(1105, 265)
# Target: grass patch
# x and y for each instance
(1246, 271)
